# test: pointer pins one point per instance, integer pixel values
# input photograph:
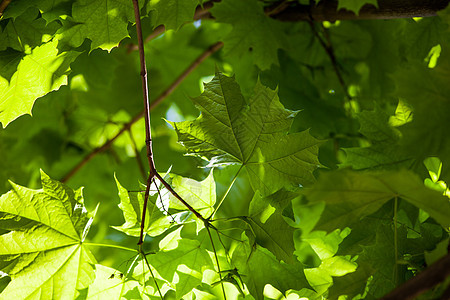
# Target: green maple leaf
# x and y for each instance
(110, 283)
(269, 227)
(231, 132)
(131, 204)
(258, 267)
(43, 251)
(173, 13)
(50, 9)
(188, 260)
(252, 32)
(355, 5)
(42, 71)
(426, 90)
(384, 151)
(200, 195)
(9, 60)
(349, 196)
(104, 22)
(28, 30)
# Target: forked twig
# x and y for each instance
(148, 135)
(207, 53)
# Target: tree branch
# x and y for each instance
(326, 10)
(3, 6)
(207, 53)
(433, 275)
(148, 129)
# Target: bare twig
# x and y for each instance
(148, 130)
(277, 8)
(207, 53)
(326, 45)
(3, 6)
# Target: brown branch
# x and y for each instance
(326, 10)
(3, 6)
(207, 53)
(148, 129)
(424, 281)
(188, 206)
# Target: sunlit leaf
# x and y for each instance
(43, 250)
(38, 73)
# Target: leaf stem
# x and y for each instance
(151, 272)
(207, 225)
(226, 193)
(110, 246)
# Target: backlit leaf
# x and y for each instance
(43, 251)
(230, 132)
(42, 71)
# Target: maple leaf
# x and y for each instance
(104, 22)
(349, 196)
(38, 73)
(43, 250)
(384, 151)
(173, 13)
(231, 132)
(252, 32)
(259, 267)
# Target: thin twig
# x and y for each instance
(148, 130)
(207, 53)
(330, 52)
(153, 276)
(277, 8)
(172, 191)
(207, 225)
(162, 203)
(137, 154)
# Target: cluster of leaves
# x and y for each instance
(323, 152)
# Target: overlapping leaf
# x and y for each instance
(349, 196)
(131, 204)
(426, 90)
(230, 132)
(384, 152)
(173, 13)
(27, 31)
(104, 22)
(253, 31)
(200, 195)
(259, 267)
(43, 251)
(269, 227)
(38, 73)
(187, 260)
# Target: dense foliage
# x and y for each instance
(318, 152)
